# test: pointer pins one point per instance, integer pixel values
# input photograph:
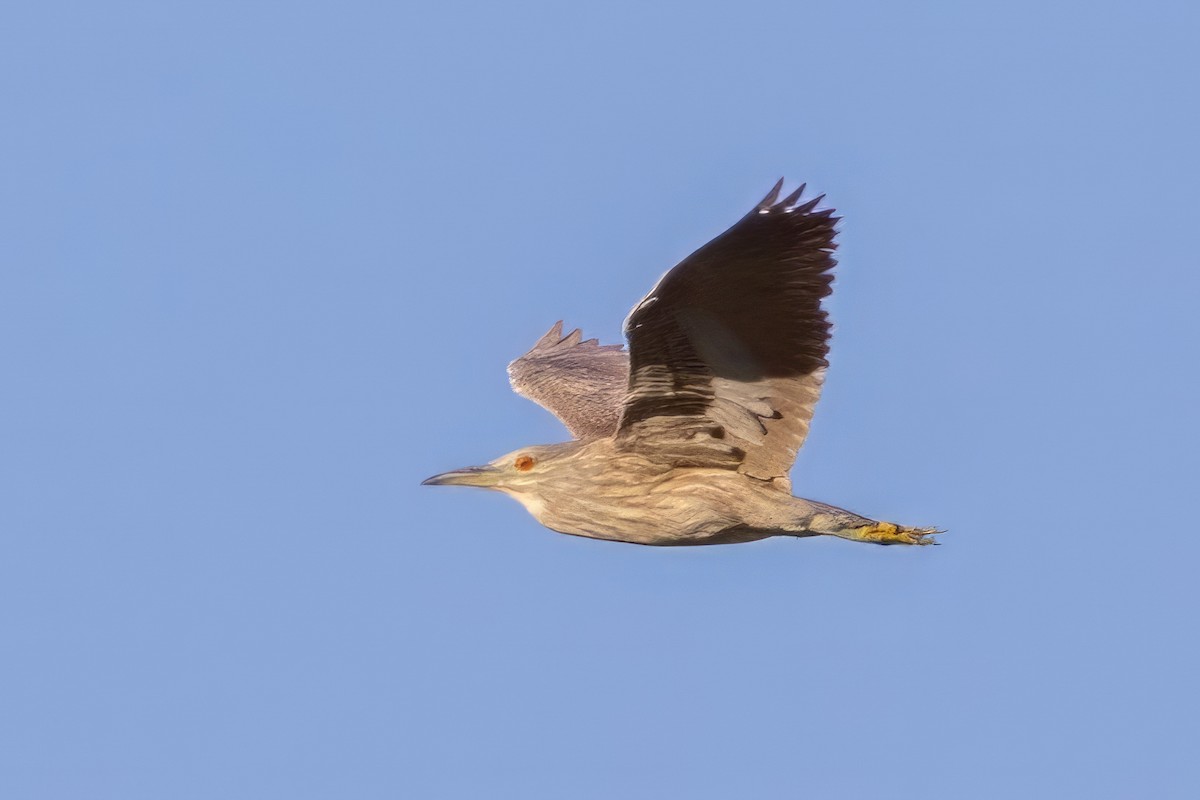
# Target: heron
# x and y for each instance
(687, 437)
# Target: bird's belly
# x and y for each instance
(663, 536)
(652, 518)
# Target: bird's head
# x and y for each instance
(517, 473)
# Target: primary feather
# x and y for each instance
(580, 381)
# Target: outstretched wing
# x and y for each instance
(728, 351)
(580, 381)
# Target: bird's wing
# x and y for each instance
(727, 352)
(580, 381)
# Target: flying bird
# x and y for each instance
(687, 437)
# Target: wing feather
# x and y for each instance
(580, 381)
(728, 351)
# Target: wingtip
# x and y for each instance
(789, 204)
(554, 340)
(790, 201)
(551, 337)
(810, 205)
(772, 195)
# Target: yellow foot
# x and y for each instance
(891, 533)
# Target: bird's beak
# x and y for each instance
(484, 477)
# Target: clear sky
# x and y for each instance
(262, 266)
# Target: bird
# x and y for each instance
(688, 436)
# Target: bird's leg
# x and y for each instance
(834, 521)
(888, 533)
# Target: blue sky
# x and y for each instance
(261, 269)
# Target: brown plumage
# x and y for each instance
(728, 350)
(582, 382)
(688, 437)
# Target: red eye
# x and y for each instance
(523, 463)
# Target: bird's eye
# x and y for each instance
(523, 463)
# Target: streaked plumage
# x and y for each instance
(582, 382)
(688, 437)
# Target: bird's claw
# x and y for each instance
(891, 533)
